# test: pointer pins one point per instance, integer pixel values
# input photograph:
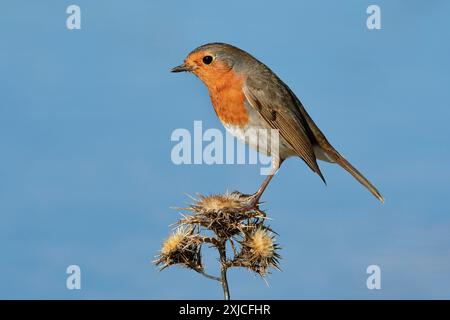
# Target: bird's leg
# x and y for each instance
(254, 199)
(257, 195)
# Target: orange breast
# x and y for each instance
(228, 98)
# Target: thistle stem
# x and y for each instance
(223, 270)
(203, 273)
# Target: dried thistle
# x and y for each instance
(180, 248)
(215, 221)
(258, 251)
(225, 215)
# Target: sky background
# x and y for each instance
(86, 117)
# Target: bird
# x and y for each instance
(247, 95)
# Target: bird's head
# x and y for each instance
(213, 61)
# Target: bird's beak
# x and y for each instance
(181, 68)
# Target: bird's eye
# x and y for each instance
(207, 59)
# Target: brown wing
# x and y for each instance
(270, 97)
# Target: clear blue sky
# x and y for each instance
(85, 124)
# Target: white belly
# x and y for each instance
(264, 140)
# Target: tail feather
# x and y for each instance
(332, 153)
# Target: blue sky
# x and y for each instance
(85, 123)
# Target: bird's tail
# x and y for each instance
(330, 153)
(337, 158)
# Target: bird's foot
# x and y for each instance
(250, 201)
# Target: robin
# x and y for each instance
(247, 95)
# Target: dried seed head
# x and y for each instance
(218, 202)
(222, 214)
(176, 241)
(180, 248)
(261, 244)
(258, 251)
(234, 202)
